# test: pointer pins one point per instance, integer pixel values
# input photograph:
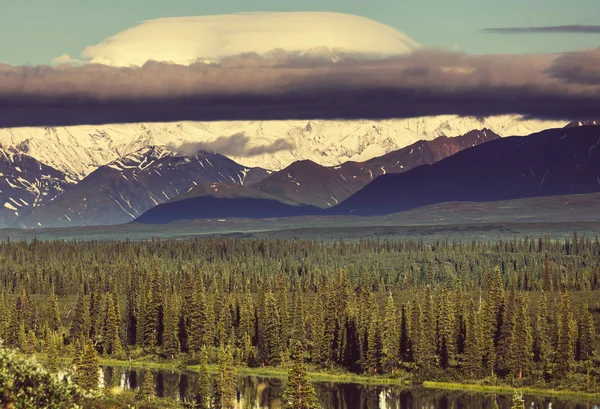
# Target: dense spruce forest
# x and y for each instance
(519, 312)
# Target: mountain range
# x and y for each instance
(125, 188)
(79, 150)
(182, 178)
(552, 162)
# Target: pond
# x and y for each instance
(265, 392)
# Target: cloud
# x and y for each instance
(66, 59)
(283, 86)
(545, 29)
(579, 67)
(185, 40)
(237, 145)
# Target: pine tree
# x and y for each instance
(148, 391)
(391, 337)
(299, 393)
(88, 368)
(204, 385)
(225, 395)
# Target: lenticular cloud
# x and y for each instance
(185, 40)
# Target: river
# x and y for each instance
(265, 392)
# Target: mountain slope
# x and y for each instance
(26, 183)
(126, 188)
(552, 162)
(218, 200)
(310, 183)
(79, 150)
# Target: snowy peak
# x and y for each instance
(126, 187)
(79, 150)
(574, 124)
(26, 183)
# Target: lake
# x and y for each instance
(265, 392)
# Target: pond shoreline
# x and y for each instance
(364, 380)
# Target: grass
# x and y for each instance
(508, 390)
(267, 372)
(337, 377)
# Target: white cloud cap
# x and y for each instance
(184, 40)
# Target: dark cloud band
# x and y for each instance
(591, 29)
(427, 82)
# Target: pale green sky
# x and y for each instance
(36, 31)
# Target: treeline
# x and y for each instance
(452, 311)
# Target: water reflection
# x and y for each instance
(259, 392)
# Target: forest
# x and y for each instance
(522, 312)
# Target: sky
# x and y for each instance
(34, 32)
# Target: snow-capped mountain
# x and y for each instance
(78, 150)
(125, 188)
(26, 183)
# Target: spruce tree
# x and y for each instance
(473, 356)
(391, 337)
(52, 313)
(198, 321)
(542, 347)
(111, 337)
(51, 354)
(171, 341)
(374, 345)
(406, 353)
(79, 323)
(31, 344)
(447, 331)
(272, 334)
(225, 396)
(148, 391)
(318, 333)
(299, 392)
(204, 384)
(428, 347)
(586, 334)
(154, 312)
(517, 401)
(88, 368)
(565, 352)
(521, 342)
